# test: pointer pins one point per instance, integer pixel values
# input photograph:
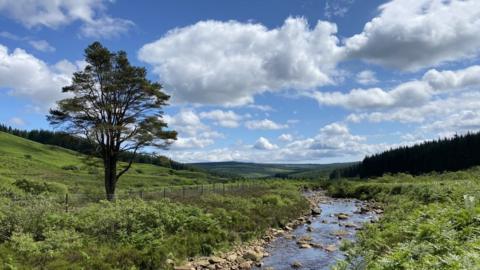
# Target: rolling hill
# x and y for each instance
(24, 159)
(261, 170)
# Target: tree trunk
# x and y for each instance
(110, 165)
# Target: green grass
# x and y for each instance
(430, 222)
(25, 159)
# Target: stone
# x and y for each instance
(245, 265)
(350, 225)
(216, 260)
(342, 216)
(305, 245)
(184, 267)
(331, 248)
(316, 211)
(309, 229)
(316, 245)
(296, 264)
(253, 256)
(341, 233)
(203, 263)
(232, 257)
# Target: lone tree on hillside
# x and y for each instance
(116, 107)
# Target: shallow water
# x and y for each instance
(283, 252)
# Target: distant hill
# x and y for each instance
(262, 170)
(449, 154)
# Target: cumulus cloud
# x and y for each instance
(333, 143)
(413, 34)
(227, 63)
(408, 94)
(264, 144)
(265, 124)
(227, 119)
(42, 45)
(192, 132)
(404, 95)
(366, 77)
(56, 13)
(24, 75)
(448, 79)
(285, 137)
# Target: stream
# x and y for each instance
(326, 232)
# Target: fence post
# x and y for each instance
(141, 194)
(183, 191)
(223, 188)
(164, 193)
(66, 202)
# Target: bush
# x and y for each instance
(70, 168)
(36, 188)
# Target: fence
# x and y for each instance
(72, 201)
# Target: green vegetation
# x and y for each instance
(449, 154)
(430, 221)
(21, 159)
(37, 231)
(263, 170)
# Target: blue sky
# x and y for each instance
(262, 81)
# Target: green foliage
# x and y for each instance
(36, 188)
(430, 222)
(37, 232)
(449, 154)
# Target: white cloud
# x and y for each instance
(264, 144)
(337, 8)
(25, 75)
(228, 63)
(285, 137)
(333, 143)
(448, 80)
(413, 34)
(106, 27)
(366, 77)
(56, 13)
(16, 121)
(42, 45)
(266, 124)
(404, 95)
(192, 132)
(227, 119)
(407, 94)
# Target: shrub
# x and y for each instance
(70, 168)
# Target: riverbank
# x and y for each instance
(297, 232)
(430, 221)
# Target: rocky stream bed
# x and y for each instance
(310, 242)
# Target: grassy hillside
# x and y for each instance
(259, 170)
(24, 159)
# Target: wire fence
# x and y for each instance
(72, 201)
